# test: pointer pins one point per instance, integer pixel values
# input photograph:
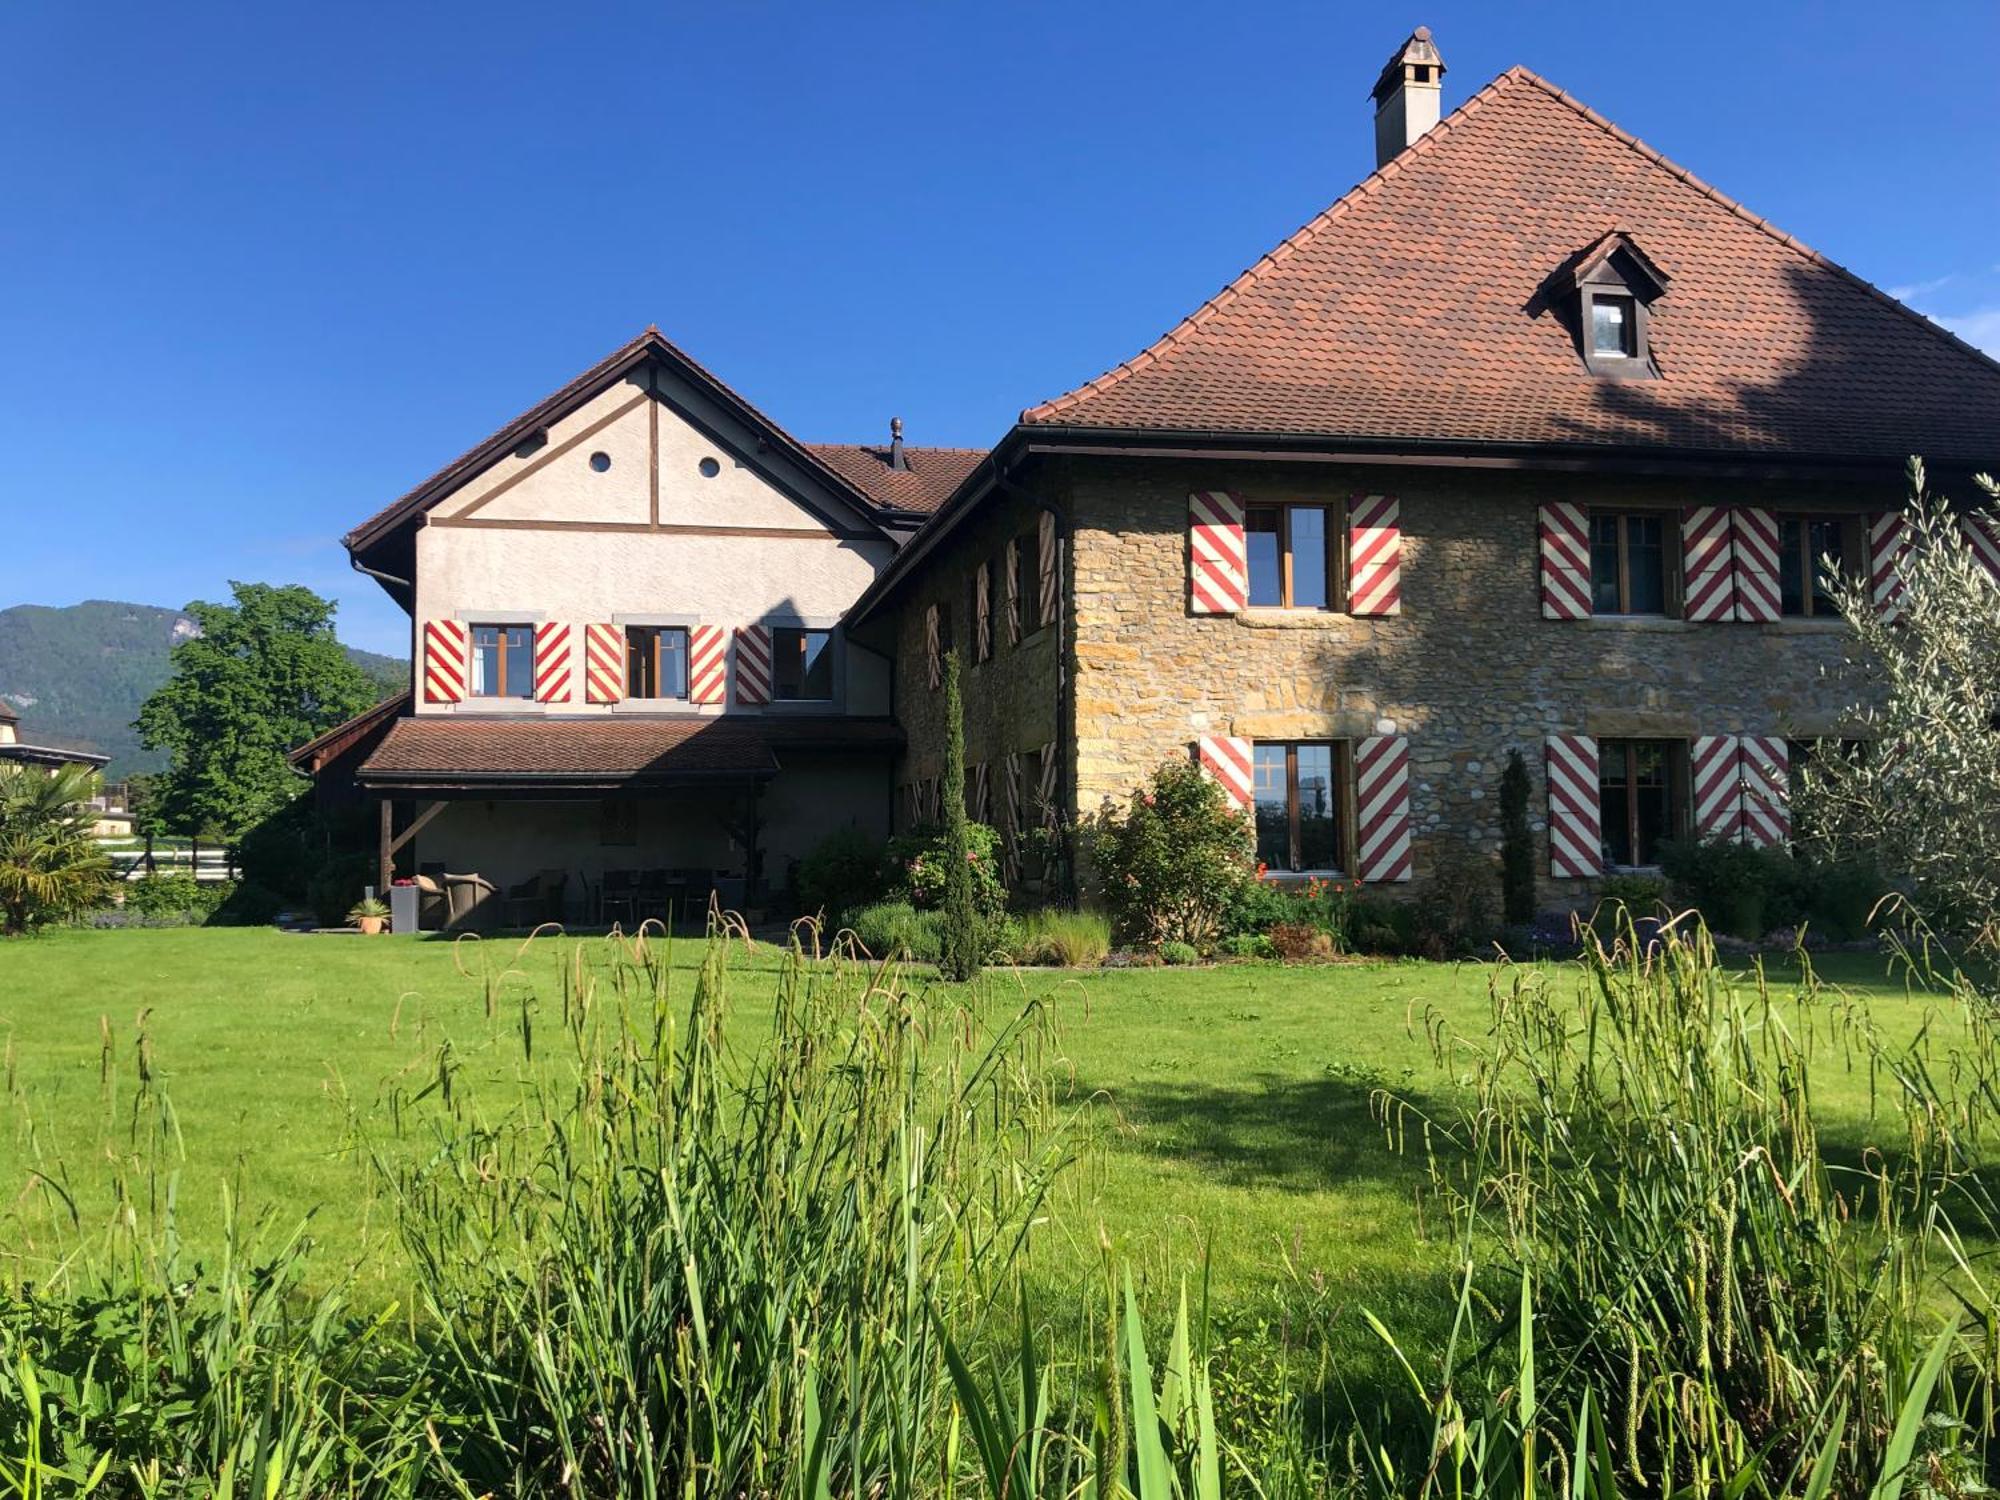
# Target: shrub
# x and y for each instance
(1454, 909)
(1174, 859)
(915, 865)
(288, 850)
(1383, 926)
(1178, 954)
(1257, 906)
(169, 899)
(337, 887)
(1838, 896)
(1301, 942)
(962, 925)
(248, 905)
(1248, 945)
(51, 869)
(843, 871)
(895, 928)
(1733, 886)
(1517, 845)
(1068, 939)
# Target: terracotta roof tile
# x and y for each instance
(932, 475)
(1412, 309)
(440, 747)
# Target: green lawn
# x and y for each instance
(1227, 1106)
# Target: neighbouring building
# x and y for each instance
(1531, 442)
(627, 655)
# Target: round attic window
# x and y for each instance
(709, 468)
(600, 461)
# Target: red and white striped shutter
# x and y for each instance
(1756, 535)
(603, 663)
(1982, 535)
(1010, 834)
(1051, 582)
(1576, 838)
(1382, 799)
(1888, 540)
(444, 661)
(1228, 759)
(1715, 765)
(1707, 565)
(915, 789)
(707, 664)
(552, 662)
(933, 653)
(753, 665)
(1375, 556)
(1051, 815)
(1767, 791)
(1565, 541)
(1218, 565)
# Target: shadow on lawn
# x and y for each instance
(1271, 1131)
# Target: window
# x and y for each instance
(1294, 556)
(656, 660)
(1802, 582)
(1628, 564)
(503, 661)
(1639, 798)
(1614, 327)
(802, 664)
(1298, 804)
(1015, 564)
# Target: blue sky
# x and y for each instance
(264, 267)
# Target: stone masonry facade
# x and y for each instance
(1468, 671)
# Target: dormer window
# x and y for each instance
(1614, 285)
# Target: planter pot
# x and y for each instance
(369, 926)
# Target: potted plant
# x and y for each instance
(368, 914)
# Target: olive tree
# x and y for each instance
(1921, 793)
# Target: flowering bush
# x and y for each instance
(915, 867)
(1323, 905)
(1174, 859)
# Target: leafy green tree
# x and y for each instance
(1174, 859)
(50, 866)
(264, 674)
(1517, 848)
(962, 931)
(1921, 795)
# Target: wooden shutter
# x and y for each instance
(1229, 760)
(1051, 814)
(982, 794)
(1375, 557)
(1754, 531)
(1012, 568)
(1045, 535)
(1708, 565)
(603, 663)
(1982, 535)
(1565, 543)
(1888, 540)
(1576, 838)
(1382, 802)
(982, 611)
(1218, 566)
(1767, 791)
(753, 665)
(1010, 834)
(445, 677)
(933, 650)
(1715, 766)
(707, 664)
(552, 663)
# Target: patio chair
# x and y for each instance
(538, 899)
(472, 900)
(433, 904)
(619, 896)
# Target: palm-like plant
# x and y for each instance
(50, 867)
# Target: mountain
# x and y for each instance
(78, 675)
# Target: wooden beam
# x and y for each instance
(385, 865)
(416, 825)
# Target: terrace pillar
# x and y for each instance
(385, 862)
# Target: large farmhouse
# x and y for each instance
(1531, 442)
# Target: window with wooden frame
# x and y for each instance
(801, 665)
(1804, 543)
(656, 661)
(503, 661)
(1630, 561)
(1641, 799)
(1294, 556)
(1299, 805)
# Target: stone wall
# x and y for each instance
(1468, 671)
(1011, 698)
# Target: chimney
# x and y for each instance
(896, 459)
(1406, 95)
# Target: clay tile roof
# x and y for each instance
(932, 475)
(444, 749)
(1409, 310)
(347, 731)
